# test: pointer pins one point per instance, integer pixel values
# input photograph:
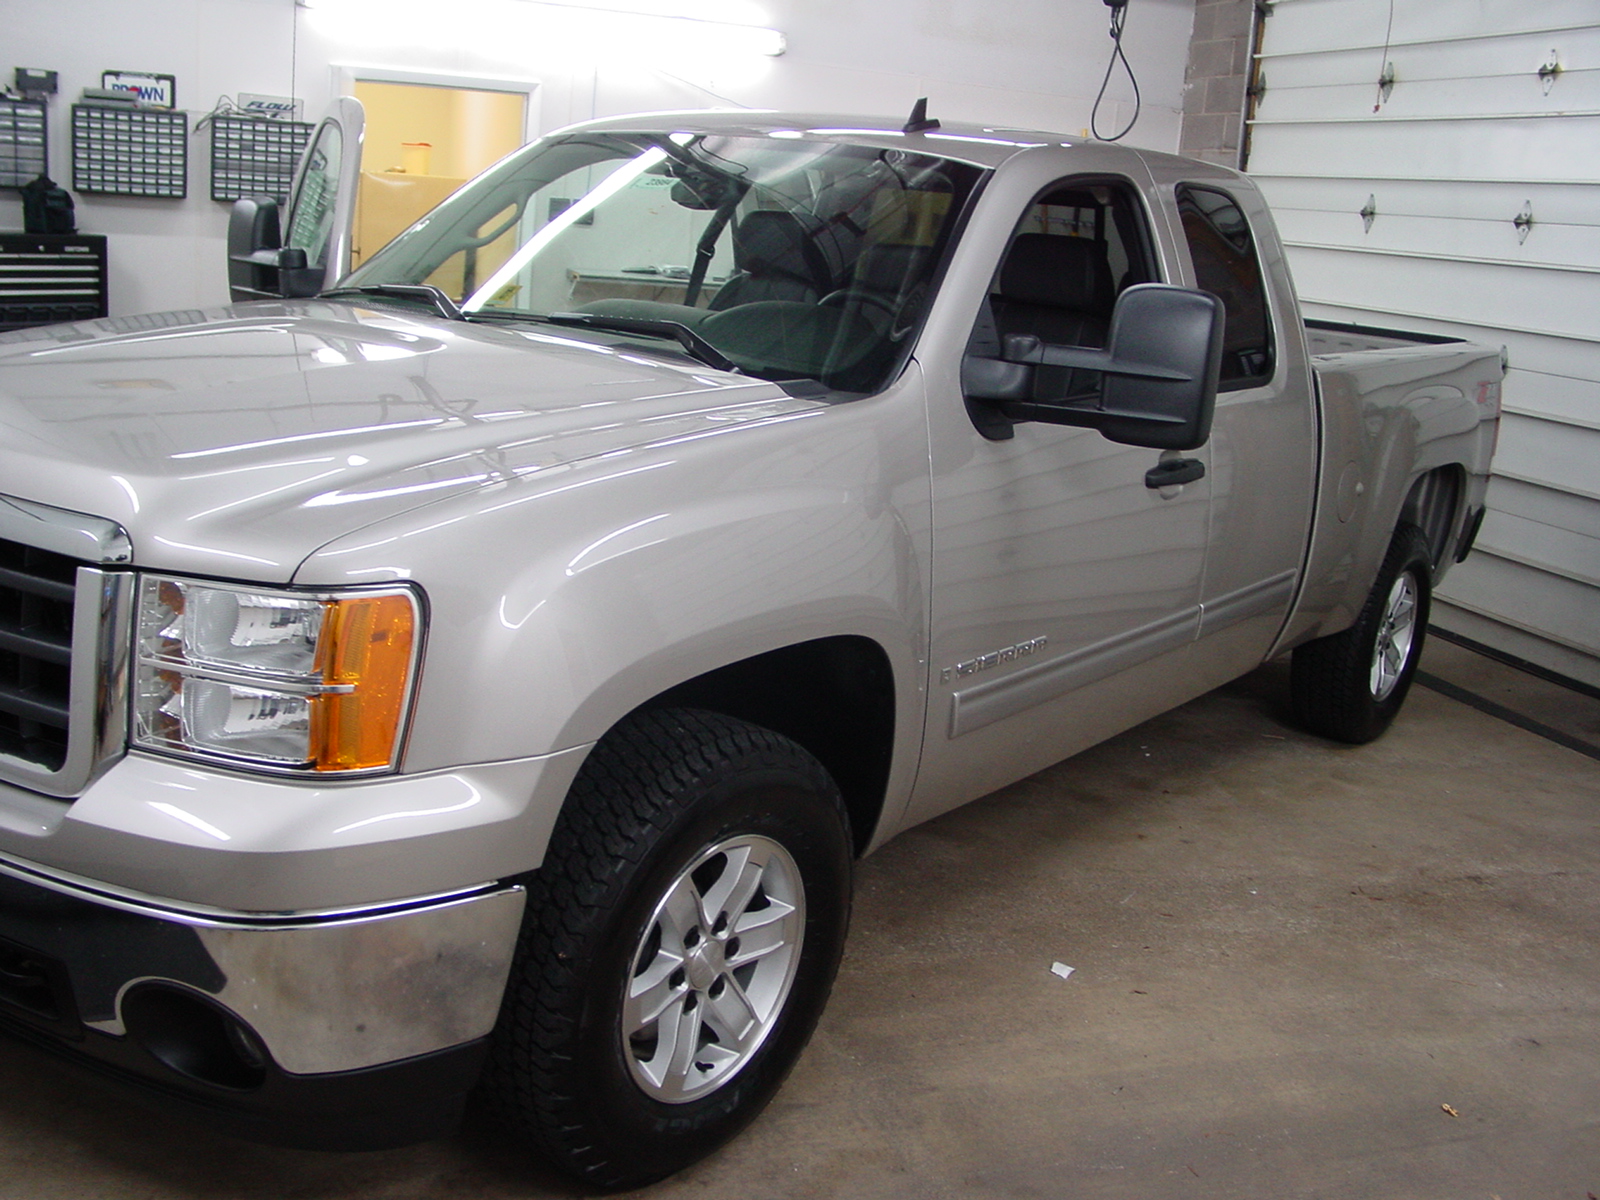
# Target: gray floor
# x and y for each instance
(1299, 970)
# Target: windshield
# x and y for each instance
(788, 258)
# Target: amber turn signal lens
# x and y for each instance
(367, 647)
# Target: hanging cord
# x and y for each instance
(294, 53)
(1383, 65)
(222, 108)
(1119, 17)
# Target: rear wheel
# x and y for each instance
(1349, 686)
(681, 940)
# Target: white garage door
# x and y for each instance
(1464, 198)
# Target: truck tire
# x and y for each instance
(680, 942)
(1349, 686)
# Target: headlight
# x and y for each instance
(282, 680)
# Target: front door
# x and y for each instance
(1066, 590)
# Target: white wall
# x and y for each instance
(1026, 62)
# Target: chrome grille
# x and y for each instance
(37, 590)
(66, 602)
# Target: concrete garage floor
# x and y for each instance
(1300, 970)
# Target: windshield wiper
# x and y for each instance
(685, 335)
(425, 292)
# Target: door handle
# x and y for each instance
(1173, 471)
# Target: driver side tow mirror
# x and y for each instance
(260, 267)
(1158, 374)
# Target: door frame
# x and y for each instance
(346, 75)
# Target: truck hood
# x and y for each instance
(237, 441)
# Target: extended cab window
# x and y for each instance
(1225, 265)
(1074, 251)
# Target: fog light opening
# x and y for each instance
(195, 1037)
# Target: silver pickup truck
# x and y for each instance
(475, 675)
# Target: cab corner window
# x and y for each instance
(1225, 264)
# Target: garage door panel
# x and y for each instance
(1305, 26)
(1544, 452)
(1558, 398)
(1556, 551)
(1514, 148)
(1487, 295)
(1413, 97)
(1558, 510)
(1552, 606)
(1510, 56)
(1558, 247)
(1553, 204)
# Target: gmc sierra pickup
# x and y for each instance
(476, 674)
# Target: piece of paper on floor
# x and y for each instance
(1062, 970)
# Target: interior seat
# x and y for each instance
(1060, 290)
(878, 285)
(774, 258)
(1057, 288)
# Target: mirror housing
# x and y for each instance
(1158, 374)
(260, 267)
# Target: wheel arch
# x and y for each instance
(1436, 506)
(835, 696)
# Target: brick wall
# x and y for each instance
(1216, 79)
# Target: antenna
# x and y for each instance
(920, 122)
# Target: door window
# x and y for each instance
(311, 218)
(1225, 264)
(1074, 251)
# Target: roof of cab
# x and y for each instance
(981, 145)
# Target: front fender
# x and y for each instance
(562, 600)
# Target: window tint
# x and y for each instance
(1225, 264)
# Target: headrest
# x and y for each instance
(768, 240)
(1062, 272)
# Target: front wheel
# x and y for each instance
(1349, 686)
(680, 942)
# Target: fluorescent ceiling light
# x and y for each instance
(720, 26)
(727, 14)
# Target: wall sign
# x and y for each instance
(158, 91)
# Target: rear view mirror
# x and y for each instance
(1158, 374)
(259, 266)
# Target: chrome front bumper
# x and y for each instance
(314, 993)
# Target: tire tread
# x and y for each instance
(637, 780)
(1328, 678)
